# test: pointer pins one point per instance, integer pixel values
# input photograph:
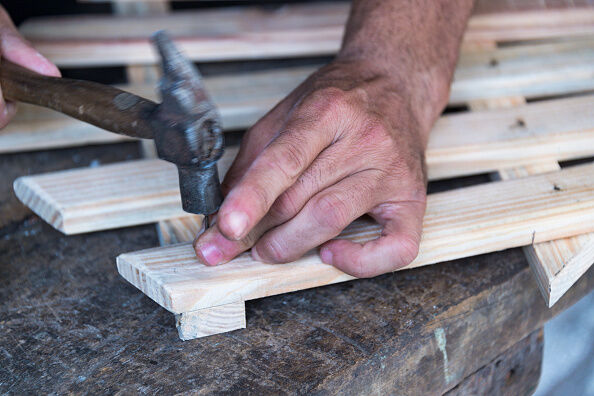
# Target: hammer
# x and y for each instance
(185, 125)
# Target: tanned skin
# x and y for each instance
(348, 141)
(17, 50)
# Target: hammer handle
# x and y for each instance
(101, 105)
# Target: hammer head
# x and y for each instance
(187, 129)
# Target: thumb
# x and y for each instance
(396, 247)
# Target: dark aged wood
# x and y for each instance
(515, 372)
(69, 323)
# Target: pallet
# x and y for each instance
(530, 71)
(533, 70)
(556, 264)
(145, 191)
(458, 223)
(257, 33)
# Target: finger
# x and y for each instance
(395, 248)
(17, 50)
(255, 140)
(321, 219)
(330, 167)
(277, 168)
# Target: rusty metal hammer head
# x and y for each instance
(187, 129)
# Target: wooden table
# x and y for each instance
(70, 323)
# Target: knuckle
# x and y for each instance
(290, 160)
(329, 102)
(284, 207)
(273, 250)
(334, 211)
(260, 195)
(376, 132)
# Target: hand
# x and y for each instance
(344, 143)
(17, 50)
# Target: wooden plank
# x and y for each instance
(458, 223)
(528, 71)
(556, 264)
(146, 191)
(209, 321)
(251, 32)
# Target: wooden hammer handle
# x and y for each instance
(101, 105)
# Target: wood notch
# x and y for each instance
(253, 32)
(557, 265)
(458, 223)
(526, 70)
(146, 191)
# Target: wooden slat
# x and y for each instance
(146, 191)
(528, 71)
(250, 33)
(557, 264)
(458, 223)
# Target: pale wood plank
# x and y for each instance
(557, 264)
(139, 192)
(250, 32)
(458, 223)
(209, 321)
(244, 98)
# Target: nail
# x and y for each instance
(211, 254)
(326, 255)
(237, 222)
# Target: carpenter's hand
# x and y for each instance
(17, 50)
(343, 144)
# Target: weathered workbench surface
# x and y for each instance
(70, 323)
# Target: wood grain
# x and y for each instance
(458, 223)
(146, 191)
(529, 71)
(251, 32)
(558, 264)
(209, 321)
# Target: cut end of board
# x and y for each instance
(32, 195)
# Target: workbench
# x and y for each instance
(71, 323)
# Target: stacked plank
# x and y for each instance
(515, 142)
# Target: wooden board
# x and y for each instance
(556, 264)
(530, 71)
(381, 329)
(251, 32)
(138, 192)
(458, 223)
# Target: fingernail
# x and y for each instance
(237, 222)
(326, 255)
(211, 254)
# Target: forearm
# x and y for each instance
(416, 43)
